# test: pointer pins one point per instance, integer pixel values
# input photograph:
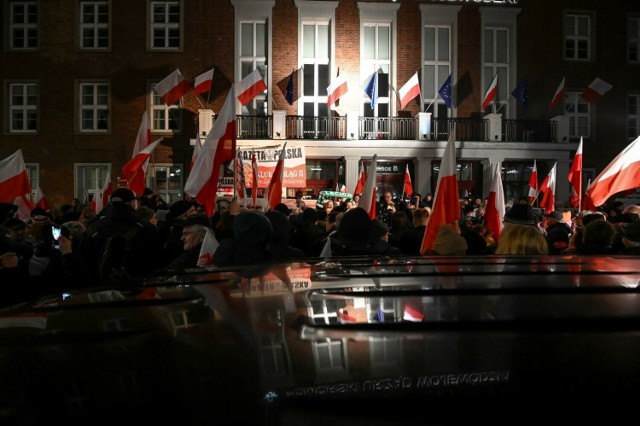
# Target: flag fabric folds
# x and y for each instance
(371, 89)
(218, 148)
(202, 83)
(172, 88)
(521, 93)
(250, 87)
(239, 179)
(208, 248)
(622, 174)
(495, 209)
(368, 199)
(14, 179)
(446, 203)
(102, 198)
(197, 148)
(288, 94)
(445, 92)
(596, 90)
(408, 187)
(575, 177)
(548, 188)
(24, 206)
(410, 90)
(274, 190)
(587, 204)
(533, 184)
(135, 170)
(254, 181)
(558, 96)
(41, 200)
(362, 178)
(491, 93)
(336, 90)
(143, 139)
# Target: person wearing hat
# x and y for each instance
(521, 234)
(170, 229)
(558, 232)
(194, 230)
(17, 232)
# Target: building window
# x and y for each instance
(436, 67)
(496, 62)
(633, 115)
(633, 30)
(167, 181)
(165, 23)
(577, 39)
(376, 57)
(579, 112)
(23, 25)
(33, 170)
(23, 107)
(94, 107)
(316, 57)
(253, 55)
(90, 179)
(164, 118)
(94, 25)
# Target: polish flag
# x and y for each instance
(344, 317)
(533, 183)
(368, 199)
(575, 177)
(14, 179)
(143, 139)
(361, 181)
(102, 198)
(250, 87)
(197, 148)
(587, 204)
(596, 90)
(558, 96)
(446, 202)
(208, 248)
(274, 190)
(412, 314)
(410, 90)
(336, 90)
(41, 200)
(494, 212)
(491, 93)
(24, 207)
(172, 88)
(254, 180)
(548, 186)
(622, 174)
(408, 187)
(202, 83)
(218, 148)
(135, 170)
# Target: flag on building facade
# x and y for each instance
(521, 94)
(410, 90)
(575, 177)
(408, 186)
(495, 209)
(548, 188)
(288, 94)
(533, 183)
(491, 93)
(203, 82)
(172, 88)
(558, 96)
(368, 199)
(371, 88)
(596, 90)
(250, 87)
(336, 90)
(274, 190)
(445, 92)
(14, 178)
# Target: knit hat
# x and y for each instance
(179, 207)
(449, 242)
(252, 226)
(521, 214)
(122, 195)
(356, 226)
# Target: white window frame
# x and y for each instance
(633, 39)
(578, 110)
(318, 100)
(633, 115)
(94, 21)
(23, 23)
(174, 172)
(89, 179)
(24, 99)
(162, 115)
(573, 39)
(253, 60)
(162, 24)
(95, 104)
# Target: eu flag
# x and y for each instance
(372, 89)
(520, 93)
(445, 92)
(288, 95)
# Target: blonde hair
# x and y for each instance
(521, 239)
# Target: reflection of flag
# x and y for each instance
(445, 92)
(172, 88)
(521, 94)
(288, 95)
(494, 212)
(336, 90)
(274, 190)
(208, 248)
(575, 177)
(408, 187)
(596, 90)
(368, 199)
(558, 96)
(491, 93)
(202, 83)
(533, 183)
(14, 179)
(410, 90)
(250, 87)
(412, 314)
(548, 186)
(446, 204)
(361, 181)
(622, 174)
(371, 89)
(344, 317)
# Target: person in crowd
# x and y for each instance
(411, 241)
(194, 230)
(597, 238)
(428, 200)
(448, 242)
(521, 233)
(386, 208)
(475, 235)
(308, 234)
(17, 232)
(279, 248)
(152, 200)
(557, 233)
(357, 235)
(631, 239)
(17, 285)
(148, 214)
(170, 230)
(252, 233)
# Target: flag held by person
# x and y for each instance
(24, 206)
(596, 90)
(408, 186)
(135, 170)
(197, 148)
(203, 82)
(410, 90)
(622, 174)
(136, 181)
(362, 178)
(490, 94)
(219, 147)
(336, 90)
(250, 87)
(548, 188)
(274, 190)
(371, 88)
(446, 203)
(102, 198)
(558, 96)
(208, 248)
(575, 177)
(445, 92)
(533, 183)
(587, 204)
(368, 199)
(495, 209)
(521, 93)
(41, 200)
(172, 88)
(14, 179)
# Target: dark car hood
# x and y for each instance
(376, 341)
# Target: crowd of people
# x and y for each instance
(134, 236)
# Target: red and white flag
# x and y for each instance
(548, 187)
(143, 139)
(412, 314)
(575, 177)
(410, 90)
(494, 212)
(14, 179)
(408, 187)
(208, 248)
(622, 174)
(102, 198)
(250, 87)
(362, 178)
(368, 199)
(197, 148)
(135, 170)
(446, 201)
(254, 181)
(558, 96)
(343, 188)
(172, 88)
(41, 200)
(218, 148)
(596, 90)
(336, 90)
(274, 190)
(24, 207)
(587, 204)
(533, 183)
(344, 317)
(491, 93)
(202, 83)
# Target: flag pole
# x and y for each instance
(432, 101)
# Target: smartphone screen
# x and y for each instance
(55, 232)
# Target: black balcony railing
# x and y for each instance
(299, 127)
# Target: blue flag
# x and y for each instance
(445, 92)
(520, 93)
(288, 95)
(372, 89)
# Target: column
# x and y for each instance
(351, 172)
(422, 169)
